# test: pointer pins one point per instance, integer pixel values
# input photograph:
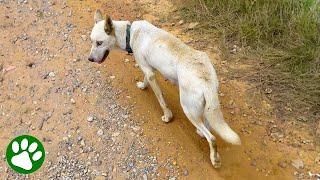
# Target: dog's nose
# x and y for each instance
(90, 58)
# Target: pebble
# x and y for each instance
(72, 101)
(90, 118)
(79, 138)
(282, 164)
(82, 143)
(192, 25)
(115, 134)
(181, 22)
(185, 172)
(126, 60)
(297, 163)
(84, 37)
(100, 132)
(52, 74)
(135, 128)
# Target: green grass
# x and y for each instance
(284, 33)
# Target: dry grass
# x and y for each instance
(284, 36)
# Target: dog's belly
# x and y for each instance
(169, 75)
(166, 67)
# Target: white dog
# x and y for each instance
(156, 49)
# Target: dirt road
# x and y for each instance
(95, 123)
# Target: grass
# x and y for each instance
(284, 35)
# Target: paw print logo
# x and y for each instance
(25, 154)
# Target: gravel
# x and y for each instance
(66, 101)
(90, 118)
(297, 163)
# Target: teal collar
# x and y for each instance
(128, 47)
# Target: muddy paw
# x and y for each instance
(141, 85)
(215, 160)
(167, 116)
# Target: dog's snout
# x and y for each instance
(90, 58)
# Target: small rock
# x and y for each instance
(79, 138)
(112, 77)
(185, 172)
(31, 65)
(124, 116)
(100, 132)
(90, 118)
(192, 25)
(72, 101)
(9, 68)
(268, 90)
(126, 60)
(115, 134)
(84, 37)
(297, 163)
(51, 74)
(174, 163)
(282, 164)
(253, 163)
(82, 143)
(135, 128)
(181, 22)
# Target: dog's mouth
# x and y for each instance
(104, 57)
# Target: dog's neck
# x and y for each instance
(120, 28)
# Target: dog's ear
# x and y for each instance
(98, 16)
(108, 27)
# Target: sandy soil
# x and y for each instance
(98, 125)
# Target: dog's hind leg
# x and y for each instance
(151, 79)
(193, 108)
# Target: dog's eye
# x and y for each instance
(99, 43)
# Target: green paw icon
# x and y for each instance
(25, 154)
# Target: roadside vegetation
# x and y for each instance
(283, 36)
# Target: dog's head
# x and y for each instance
(102, 37)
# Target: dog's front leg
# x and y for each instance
(150, 77)
(144, 84)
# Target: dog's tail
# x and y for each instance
(214, 118)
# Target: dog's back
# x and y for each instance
(165, 53)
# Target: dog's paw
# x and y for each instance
(215, 160)
(200, 133)
(167, 116)
(141, 85)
